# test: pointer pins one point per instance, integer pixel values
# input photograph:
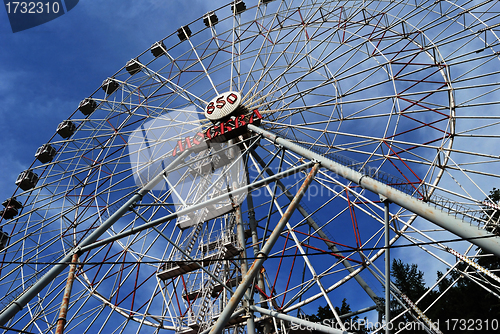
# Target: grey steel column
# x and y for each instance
(255, 241)
(479, 237)
(240, 229)
(18, 304)
(387, 268)
(261, 257)
(240, 234)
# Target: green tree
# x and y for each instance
(410, 281)
(462, 299)
(465, 299)
(325, 316)
(324, 312)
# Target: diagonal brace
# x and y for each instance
(262, 255)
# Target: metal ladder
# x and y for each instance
(207, 293)
(240, 330)
(197, 229)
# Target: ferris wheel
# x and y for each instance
(257, 163)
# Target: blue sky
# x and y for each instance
(47, 70)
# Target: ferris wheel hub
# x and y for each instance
(223, 106)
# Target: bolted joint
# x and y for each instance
(19, 306)
(77, 250)
(383, 199)
(264, 255)
(380, 304)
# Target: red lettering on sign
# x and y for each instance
(226, 130)
(181, 148)
(255, 113)
(197, 141)
(210, 108)
(215, 131)
(232, 98)
(220, 102)
(225, 127)
(239, 121)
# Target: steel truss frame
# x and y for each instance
(481, 238)
(381, 29)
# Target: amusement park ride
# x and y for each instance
(260, 162)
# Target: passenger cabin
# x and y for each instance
(12, 207)
(238, 7)
(183, 33)
(45, 153)
(110, 85)
(27, 180)
(158, 49)
(66, 129)
(133, 66)
(4, 239)
(87, 106)
(210, 19)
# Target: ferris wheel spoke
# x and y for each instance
(267, 68)
(187, 96)
(268, 39)
(363, 141)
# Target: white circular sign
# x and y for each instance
(222, 106)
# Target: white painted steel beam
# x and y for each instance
(482, 238)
